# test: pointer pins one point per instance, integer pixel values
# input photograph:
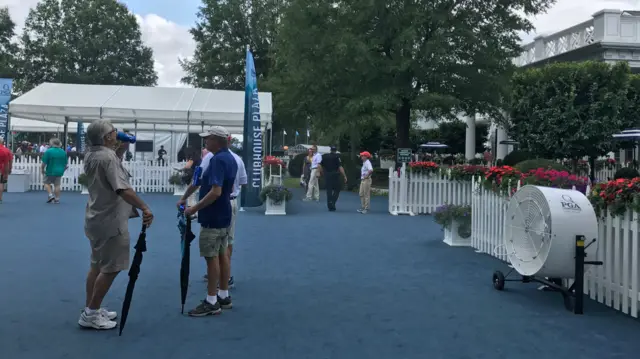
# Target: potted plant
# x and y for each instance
(275, 197)
(83, 180)
(456, 222)
(178, 184)
(273, 169)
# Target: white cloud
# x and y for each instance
(168, 40)
(171, 41)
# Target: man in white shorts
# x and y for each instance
(241, 180)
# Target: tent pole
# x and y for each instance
(202, 138)
(65, 133)
(135, 132)
(154, 145)
(270, 137)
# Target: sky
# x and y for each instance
(165, 25)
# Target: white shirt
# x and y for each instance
(241, 176)
(366, 167)
(205, 162)
(315, 162)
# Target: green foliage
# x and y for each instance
(176, 179)
(83, 180)
(517, 156)
(8, 48)
(626, 172)
(295, 165)
(445, 216)
(223, 30)
(83, 41)
(276, 193)
(366, 59)
(380, 177)
(528, 165)
(569, 110)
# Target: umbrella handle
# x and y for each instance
(144, 228)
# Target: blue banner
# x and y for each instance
(5, 96)
(252, 138)
(80, 145)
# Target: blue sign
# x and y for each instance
(5, 96)
(252, 136)
(80, 145)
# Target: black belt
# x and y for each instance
(233, 197)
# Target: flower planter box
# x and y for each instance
(85, 190)
(179, 190)
(453, 238)
(275, 209)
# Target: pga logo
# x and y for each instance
(568, 204)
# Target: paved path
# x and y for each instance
(312, 284)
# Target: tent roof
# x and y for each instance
(24, 125)
(53, 102)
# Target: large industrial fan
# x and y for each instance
(545, 234)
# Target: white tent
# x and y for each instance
(171, 109)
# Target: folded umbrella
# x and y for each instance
(184, 225)
(140, 247)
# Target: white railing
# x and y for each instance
(145, 177)
(606, 26)
(416, 193)
(615, 284)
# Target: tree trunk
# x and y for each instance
(592, 169)
(403, 124)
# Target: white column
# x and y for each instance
(470, 142)
(501, 150)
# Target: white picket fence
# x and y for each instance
(414, 193)
(615, 284)
(145, 177)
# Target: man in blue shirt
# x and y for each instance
(214, 216)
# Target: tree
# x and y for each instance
(570, 110)
(8, 48)
(222, 32)
(369, 56)
(86, 42)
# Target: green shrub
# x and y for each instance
(517, 156)
(528, 165)
(626, 172)
(380, 178)
(295, 165)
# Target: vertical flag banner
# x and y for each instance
(252, 137)
(80, 145)
(5, 96)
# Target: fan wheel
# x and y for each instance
(498, 280)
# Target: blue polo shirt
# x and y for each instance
(221, 172)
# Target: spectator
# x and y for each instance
(54, 163)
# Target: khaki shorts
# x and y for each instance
(213, 242)
(110, 254)
(232, 227)
(53, 180)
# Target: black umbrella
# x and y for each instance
(184, 225)
(141, 247)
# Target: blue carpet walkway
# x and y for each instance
(312, 284)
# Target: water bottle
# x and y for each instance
(125, 137)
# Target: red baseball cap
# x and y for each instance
(365, 154)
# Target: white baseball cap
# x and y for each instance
(217, 131)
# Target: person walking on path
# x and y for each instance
(313, 191)
(365, 182)
(111, 203)
(214, 215)
(6, 164)
(54, 163)
(332, 169)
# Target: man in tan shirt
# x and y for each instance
(111, 203)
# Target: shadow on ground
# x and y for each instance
(312, 284)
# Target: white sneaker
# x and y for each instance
(109, 315)
(96, 321)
